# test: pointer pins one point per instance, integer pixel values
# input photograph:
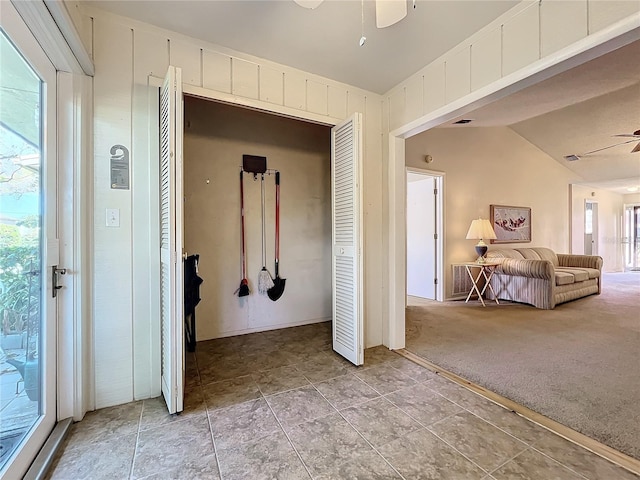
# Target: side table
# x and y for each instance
(485, 270)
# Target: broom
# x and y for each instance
(265, 282)
(243, 289)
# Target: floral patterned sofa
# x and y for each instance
(542, 278)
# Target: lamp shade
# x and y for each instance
(481, 229)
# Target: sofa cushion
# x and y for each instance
(505, 253)
(579, 274)
(592, 272)
(539, 253)
(564, 278)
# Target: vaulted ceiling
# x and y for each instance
(579, 111)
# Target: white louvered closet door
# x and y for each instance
(346, 181)
(171, 268)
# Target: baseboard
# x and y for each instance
(619, 458)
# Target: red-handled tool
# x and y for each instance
(243, 289)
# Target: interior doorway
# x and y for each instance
(590, 227)
(631, 239)
(424, 238)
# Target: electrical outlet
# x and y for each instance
(113, 217)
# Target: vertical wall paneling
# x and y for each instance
(373, 223)
(397, 107)
(150, 57)
(486, 59)
(413, 99)
(317, 97)
(562, 22)
(244, 78)
(355, 103)
(337, 102)
(521, 40)
(216, 71)
(604, 13)
(458, 75)
(188, 57)
(295, 90)
(434, 86)
(113, 333)
(271, 85)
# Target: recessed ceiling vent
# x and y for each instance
(462, 122)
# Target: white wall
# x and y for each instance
(126, 267)
(215, 139)
(497, 166)
(421, 227)
(610, 210)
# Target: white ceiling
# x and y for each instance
(323, 41)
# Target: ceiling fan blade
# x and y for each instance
(389, 12)
(636, 149)
(635, 134)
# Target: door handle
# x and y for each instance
(55, 271)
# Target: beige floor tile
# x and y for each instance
(300, 405)
(346, 391)
(269, 458)
(481, 442)
(422, 455)
(166, 446)
(110, 459)
(532, 465)
(379, 421)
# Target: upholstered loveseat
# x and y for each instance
(542, 278)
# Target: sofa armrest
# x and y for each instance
(584, 261)
(527, 268)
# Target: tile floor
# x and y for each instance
(282, 405)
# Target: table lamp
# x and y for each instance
(481, 229)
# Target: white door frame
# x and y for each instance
(594, 226)
(74, 117)
(19, 34)
(439, 206)
(577, 53)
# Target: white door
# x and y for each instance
(171, 263)
(28, 244)
(346, 201)
(421, 235)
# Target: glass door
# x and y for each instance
(631, 240)
(28, 245)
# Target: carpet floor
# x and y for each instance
(577, 364)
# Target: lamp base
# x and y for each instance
(481, 250)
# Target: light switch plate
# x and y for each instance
(113, 217)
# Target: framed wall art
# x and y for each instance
(511, 224)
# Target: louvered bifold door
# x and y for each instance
(171, 271)
(346, 181)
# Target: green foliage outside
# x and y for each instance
(19, 279)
